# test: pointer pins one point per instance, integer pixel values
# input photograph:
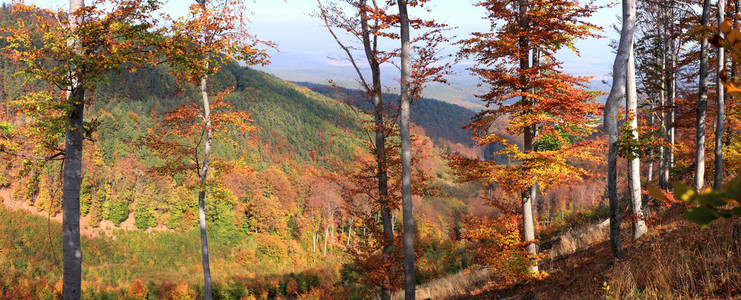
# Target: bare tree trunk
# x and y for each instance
(71, 248)
(634, 165)
(528, 227)
(672, 101)
(619, 75)
(202, 193)
(664, 158)
(349, 232)
(651, 120)
(702, 104)
(720, 118)
(313, 239)
(406, 156)
(528, 195)
(326, 234)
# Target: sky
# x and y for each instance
(307, 52)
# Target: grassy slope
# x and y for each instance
(675, 260)
(31, 262)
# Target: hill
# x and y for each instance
(440, 120)
(268, 221)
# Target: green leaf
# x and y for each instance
(684, 192)
(655, 192)
(701, 216)
(713, 198)
(6, 128)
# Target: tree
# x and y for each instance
(617, 91)
(215, 32)
(369, 27)
(77, 50)
(720, 116)
(552, 110)
(702, 102)
(373, 21)
(634, 163)
(406, 155)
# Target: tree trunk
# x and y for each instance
(617, 91)
(664, 156)
(528, 223)
(382, 175)
(528, 195)
(634, 165)
(202, 195)
(349, 232)
(702, 104)
(671, 100)
(326, 234)
(374, 92)
(406, 156)
(720, 118)
(313, 239)
(651, 120)
(71, 248)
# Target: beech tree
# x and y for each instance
(78, 48)
(406, 155)
(214, 32)
(619, 81)
(547, 103)
(369, 23)
(634, 163)
(720, 103)
(368, 26)
(702, 102)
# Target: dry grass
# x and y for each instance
(681, 261)
(675, 260)
(458, 284)
(573, 240)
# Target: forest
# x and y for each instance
(148, 154)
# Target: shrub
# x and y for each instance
(272, 248)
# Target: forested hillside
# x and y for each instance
(284, 213)
(440, 120)
(145, 155)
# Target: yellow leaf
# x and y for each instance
(725, 27)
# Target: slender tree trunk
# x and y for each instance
(202, 194)
(720, 118)
(528, 195)
(313, 239)
(651, 119)
(406, 155)
(702, 104)
(528, 232)
(326, 234)
(349, 232)
(619, 73)
(672, 113)
(71, 248)
(634, 165)
(665, 79)
(370, 42)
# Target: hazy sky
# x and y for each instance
(303, 42)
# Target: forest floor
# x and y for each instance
(674, 260)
